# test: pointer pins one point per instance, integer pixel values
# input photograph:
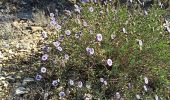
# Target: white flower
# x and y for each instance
(59, 48)
(91, 9)
(113, 36)
(51, 14)
(44, 57)
(129, 85)
(101, 12)
(88, 86)
(68, 32)
(109, 62)
(77, 8)
(138, 96)
(43, 70)
(168, 29)
(145, 88)
(80, 84)
(87, 98)
(71, 82)
(85, 23)
(124, 30)
(66, 56)
(105, 82)
(156, 97)
(146, 80)
(145, 12)
(55, 82)
(91, 32)
(140, 42)
(77, 35)
(117, 95)
(99, 37)
(131, 1)
(102, 80)
(56, 44)
(61, 94)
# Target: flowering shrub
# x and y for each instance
(100, 52)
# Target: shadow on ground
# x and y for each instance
(24, 9)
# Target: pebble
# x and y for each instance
(21, 90)
(2, 78)
(27, 80)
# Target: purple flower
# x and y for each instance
(99, 37)
(68, 32)
(95, 1)
(55, 82)
(45, 48)
(44, 34)
(61, 37)
(56, 43)
(90, 50)
(80, 84)
(53, 22)
(109, 62)
(59, 48)
(44, 57)
(61, 94)
(38, 77)
(43, 70)
(91, 9)
(58, 27)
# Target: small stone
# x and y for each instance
(5, 83)
(10, 78)
(21, 90)
(24, 15)
(2, 78)
(27, 80)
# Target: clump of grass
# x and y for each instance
(101, 52)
